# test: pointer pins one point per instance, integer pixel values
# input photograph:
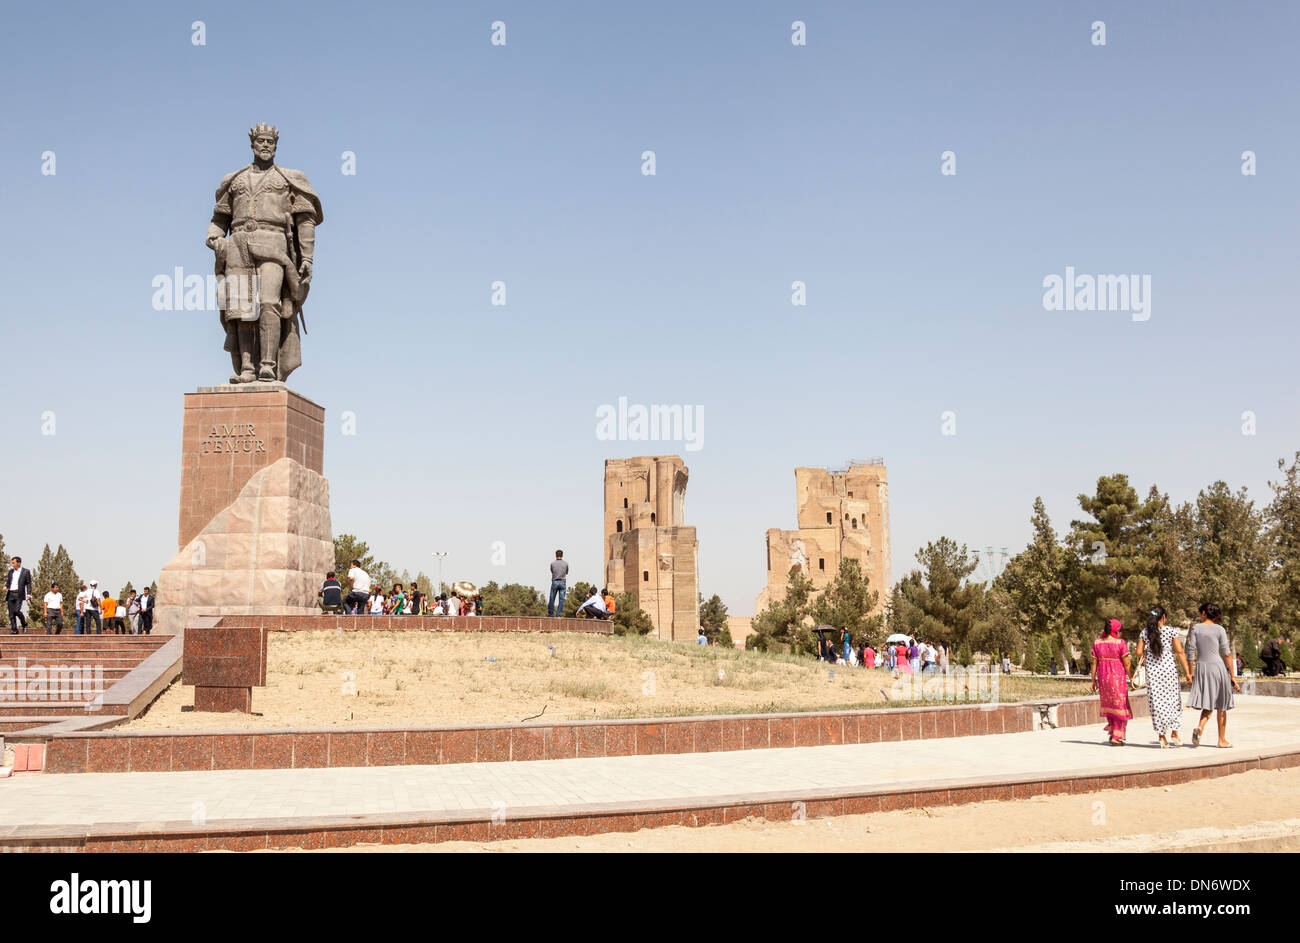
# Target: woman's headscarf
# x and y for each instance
(1115, 626)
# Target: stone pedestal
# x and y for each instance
(254, 531)
(224, 663)
(230, 432)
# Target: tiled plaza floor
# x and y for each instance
(1257, 725)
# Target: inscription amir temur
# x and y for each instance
(231, 437)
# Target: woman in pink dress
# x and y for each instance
(900, 660)
(1110, 669)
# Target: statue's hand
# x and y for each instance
(304, 269)
(218, 245)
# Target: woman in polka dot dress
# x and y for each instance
(1164, 653)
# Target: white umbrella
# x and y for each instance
(899, 638)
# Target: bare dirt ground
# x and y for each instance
(411, 679)
(1255, 811)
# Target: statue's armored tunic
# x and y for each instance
(264, 233)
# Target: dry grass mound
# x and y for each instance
(406, 679)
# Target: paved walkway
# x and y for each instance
(1258, 724)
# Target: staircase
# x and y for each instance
(48, 678)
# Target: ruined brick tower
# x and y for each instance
(649, 552)
(843, 514)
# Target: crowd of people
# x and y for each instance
(90, 607)
(899, 655)
(365, 597)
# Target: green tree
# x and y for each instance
(55, 567)
(1043, 656)
(1034, 581)
(1165, 534)
(781, 624)
(630, 618)
(1282, 532)
(1108, 572)
(1249, 650)
(999, 629)
(847, 603)
(713, 619)
(512, 599)
(939, 602)
(577, 595)
(1231, 556)
(348, 547)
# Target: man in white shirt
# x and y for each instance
(359, 595)
(53, 610)
(453, 605)
(133, 612)
(84, 603)
(593, 607)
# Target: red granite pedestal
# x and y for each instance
(224, 663)
(230, 433)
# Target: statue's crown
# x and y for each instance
(259, 129)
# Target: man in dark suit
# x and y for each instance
(19, 590)
(146, 611)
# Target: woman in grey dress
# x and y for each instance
(1213, 675)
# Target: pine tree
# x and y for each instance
(939, 603)
(1231, 556)
(1249, 650)
(1108, 572)
(512, 599)
(1282, 521)
(1035, 581)
(782, 622)
(1043, 657)
(629, 617)
(847, 603)
(713, 619)
(55, 567)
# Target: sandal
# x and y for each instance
(1196, 738)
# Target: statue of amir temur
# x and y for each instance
(264, 233)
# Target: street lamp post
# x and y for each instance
(440, 554)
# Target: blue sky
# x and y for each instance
(476, 163)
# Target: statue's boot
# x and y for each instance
(269, 334)
(247, 336)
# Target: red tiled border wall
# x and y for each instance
(158, 751)
(393, 829)
(332, 623)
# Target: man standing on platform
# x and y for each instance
(19, 591)
(53, 610)
(83, 599)
(91, 610)
(559, 584)
(146, 611)
(133, 613)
